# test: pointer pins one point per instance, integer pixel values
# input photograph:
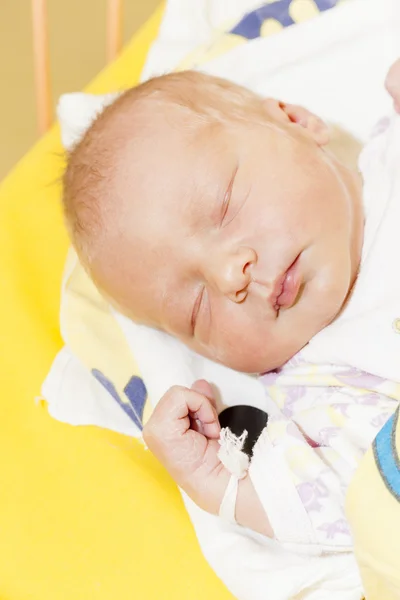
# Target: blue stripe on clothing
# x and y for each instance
(135, 391)
(250, 25)
(386, 455)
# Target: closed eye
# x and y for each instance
(238, 209)
(195, 311)
(227, 197)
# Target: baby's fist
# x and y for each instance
(183, 434)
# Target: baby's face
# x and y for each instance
(243, 241)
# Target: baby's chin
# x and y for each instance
(266, 359)
(246, 358)
(263, 351)
(258, 364)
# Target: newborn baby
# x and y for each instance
(211, 213)
(219, 217)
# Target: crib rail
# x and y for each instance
(41, 54)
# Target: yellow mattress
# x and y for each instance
(84, 513)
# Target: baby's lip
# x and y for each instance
(286, 287)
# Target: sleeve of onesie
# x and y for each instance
(301, 493)
(257, 568)
(305, 459)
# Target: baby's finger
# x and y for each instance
(197, 426)
(202, 386)
(175, 415)
(205, 419)
(169, 421)
(175, 408)
(211, 430)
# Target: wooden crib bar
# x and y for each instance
(114, 29)
(41, 54)
(41, 65)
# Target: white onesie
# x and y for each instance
(325, 408)
(331, 400)
(367, 334)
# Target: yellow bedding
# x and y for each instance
(84, 513)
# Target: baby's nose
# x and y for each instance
(232, 273)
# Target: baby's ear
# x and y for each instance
(292, 113)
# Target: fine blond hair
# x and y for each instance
(201, 100)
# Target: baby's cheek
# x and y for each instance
(255, 348)
(330, 292)
(233, 343)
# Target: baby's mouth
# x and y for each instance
(287, 287)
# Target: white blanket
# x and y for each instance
(335, 65)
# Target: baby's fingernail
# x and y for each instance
(199, 426)
(214, 430)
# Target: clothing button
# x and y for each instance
(396, 325)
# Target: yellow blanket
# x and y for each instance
(82, 512)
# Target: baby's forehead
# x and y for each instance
(151, 137)
(166, 148)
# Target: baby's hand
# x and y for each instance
(183, 434)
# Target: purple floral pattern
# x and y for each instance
(335, 529)
(311, 494)
(326, 418)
